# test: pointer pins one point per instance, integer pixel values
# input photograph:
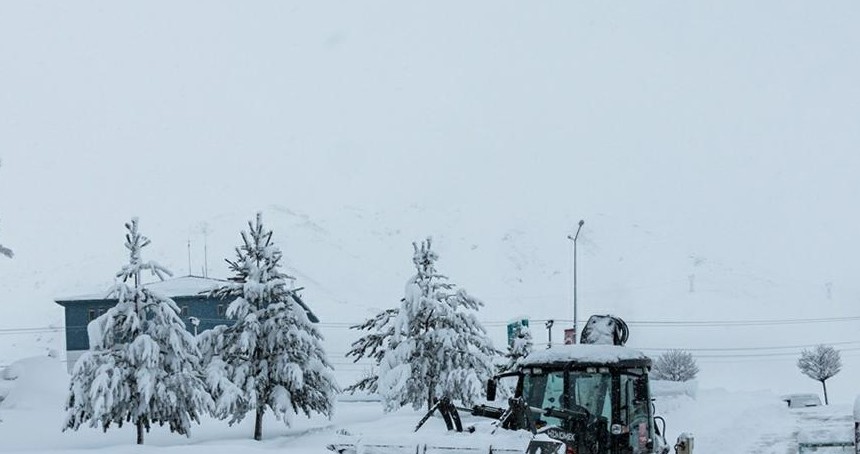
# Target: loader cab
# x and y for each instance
(597, 393)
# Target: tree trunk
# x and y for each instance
(140, 432)
(824, 385)
(429, 399)
(258, 425)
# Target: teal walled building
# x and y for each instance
(190, 293)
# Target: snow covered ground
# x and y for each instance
(747, 422)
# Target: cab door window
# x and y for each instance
(634, 411)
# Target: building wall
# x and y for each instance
(76, 326)
(210, 312)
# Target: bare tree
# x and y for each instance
(675, 365)
(820, 363)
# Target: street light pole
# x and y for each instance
(573, 239)
(549, 324)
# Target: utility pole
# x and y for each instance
(573, 239)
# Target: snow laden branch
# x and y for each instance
(272, 357)
(433, 345)
(143, 366)
(820, 364)
(380, 330)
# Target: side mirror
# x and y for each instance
(491, 390)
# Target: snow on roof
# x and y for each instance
(171, 288)
(583, 353)
(177, 288)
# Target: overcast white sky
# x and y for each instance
(734, 122)
(729, 128)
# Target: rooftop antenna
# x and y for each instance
(205, 230)
(189, 256)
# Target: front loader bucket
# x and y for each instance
(420, 449)
(506, 442)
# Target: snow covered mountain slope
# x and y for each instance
(353, 263)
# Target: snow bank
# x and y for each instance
(670, 396)
(358, 397)
(748, 421)
(34, 383)
(825, 424)
(665, 389)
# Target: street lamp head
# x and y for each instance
(581, 221)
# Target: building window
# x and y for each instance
(184, 311)
(92, 315)
(220, 310)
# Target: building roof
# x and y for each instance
(179, 287)
(172, 288)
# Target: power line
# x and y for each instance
(762, 322)
(496, 323)
(726, 349)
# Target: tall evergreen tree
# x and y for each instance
(273, 356)
(143, 365)
(438, 347)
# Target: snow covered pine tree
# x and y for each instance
(519, 347)
(143, 365)
(273, 356)
(437, 348)
(820, 363)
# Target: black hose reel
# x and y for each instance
(605, 330)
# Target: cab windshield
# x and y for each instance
(584, 389)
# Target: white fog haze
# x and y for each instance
(711, 149)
